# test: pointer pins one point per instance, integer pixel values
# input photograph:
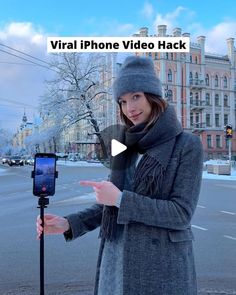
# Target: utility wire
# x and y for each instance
(15, 63)
(16, 102)
(25, 53)
(25, 59)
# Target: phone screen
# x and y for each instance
(44, 174)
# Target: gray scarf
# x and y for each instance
(156, 144)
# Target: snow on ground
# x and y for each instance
(79, 163)
(205, 175)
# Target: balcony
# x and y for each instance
(196, 83)
(197, 105)
(198, 127)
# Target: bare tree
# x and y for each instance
(72, 95)
(5, 142)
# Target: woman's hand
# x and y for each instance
(53, 224)
(106, 192)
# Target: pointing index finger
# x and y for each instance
(90, 183)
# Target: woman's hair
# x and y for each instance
(158, 106)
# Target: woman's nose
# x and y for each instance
(130, 107)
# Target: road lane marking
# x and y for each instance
(199, 227)
(200, 206)
(229, 237)
(228, 212)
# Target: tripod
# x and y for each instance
(44, 176)
(42, 202)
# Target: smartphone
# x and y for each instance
(44, 174)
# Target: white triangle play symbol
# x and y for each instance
(117, 147)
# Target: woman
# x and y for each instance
(144, 211)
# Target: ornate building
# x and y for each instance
(202, 88)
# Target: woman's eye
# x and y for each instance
(135, 97)
(122, 102)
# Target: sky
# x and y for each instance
(24, 27)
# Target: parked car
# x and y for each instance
(61, 155)
(73, 158)
(5, 160)
(29, 161)
(15, 160)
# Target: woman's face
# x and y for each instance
(135, 107)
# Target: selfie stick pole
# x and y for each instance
(42, 202)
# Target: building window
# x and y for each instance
(150, 54)
(217, 120)
(190, 78)
(170, 95)
(167, 55)
(208, 99)
(191, 59)
(207, 80)
(209, 141)
(208, 120)
(197, 118)
(196, 78)
(197, 103)
(156, 55)
(217, 100)
(218, 141)
(169, 75)
(172, 56)
(226, 119)
(195, 59)
(226, 104)
(191, 98)
(225, 82)
(191, 119)
(216, 81)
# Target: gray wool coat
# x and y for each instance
(158, 252)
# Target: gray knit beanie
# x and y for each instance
(137, 74)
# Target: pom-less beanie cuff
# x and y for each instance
(137, 75)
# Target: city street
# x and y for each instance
(70, 267)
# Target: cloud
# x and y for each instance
(147, 10)
(216, 37)
(21, 81)
(19, 30)
(170, 19)
(112, 28)
(185, 19)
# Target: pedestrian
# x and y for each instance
(145, 209)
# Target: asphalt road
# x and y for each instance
(70, 267)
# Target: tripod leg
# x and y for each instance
(42, 252)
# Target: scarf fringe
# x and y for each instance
(149, 176)
(148, 179)
(109, 223)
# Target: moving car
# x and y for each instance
(15, 160)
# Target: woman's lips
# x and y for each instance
(135, 116)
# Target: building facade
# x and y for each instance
(202, 88)
(200, 85)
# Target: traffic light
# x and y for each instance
(228, 131)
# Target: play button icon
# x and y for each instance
(117, 147)
(109, 144)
